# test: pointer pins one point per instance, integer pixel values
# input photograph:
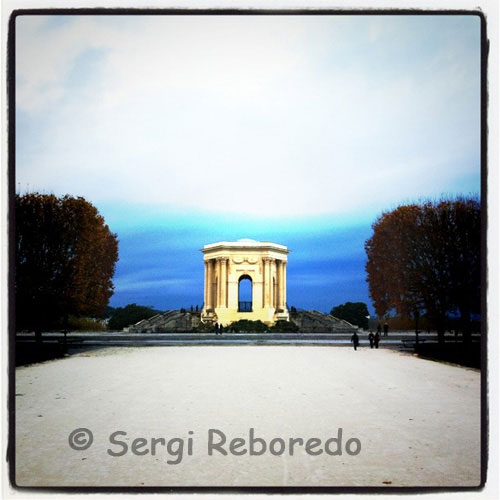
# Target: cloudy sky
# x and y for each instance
(186, 130)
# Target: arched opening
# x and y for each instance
(245, 294)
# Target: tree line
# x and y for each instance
(422, 260)
(65, 261)
(426, 259)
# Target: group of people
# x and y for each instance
(373, 339)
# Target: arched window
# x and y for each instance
(245, 294)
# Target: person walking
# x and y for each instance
(216, 328)
(370, 338)
(376, 340)
(355, 340)
(386, 329)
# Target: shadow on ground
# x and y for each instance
(459, 353)
(27, 354)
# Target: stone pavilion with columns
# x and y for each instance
(227, 264)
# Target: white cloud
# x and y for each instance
(248, 115)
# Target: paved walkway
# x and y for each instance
(418, 421)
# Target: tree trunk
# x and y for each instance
(441, 330)
(466, 326)
(416, 327)
(440, 323)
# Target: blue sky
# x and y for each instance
(300, 130)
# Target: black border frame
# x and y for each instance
(11, 116)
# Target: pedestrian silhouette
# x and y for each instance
(379, 328)
(376, 339)
(386, 329)
(216, 328)
(355, 340)
(370, 338)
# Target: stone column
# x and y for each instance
(214, 284)
(263, 283)
(276, 284)
(223, 281)
(271, 288)
(283, 300)
(279, 288)
(217, 282)
(206, 287)
(267, 282)
(210, 284)
(283, 284)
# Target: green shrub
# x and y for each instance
(247, 326)
(129, 315)
(82, 325)
(283, 326)
(355, 313)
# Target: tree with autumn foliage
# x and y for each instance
(425, 259)
(65, 261)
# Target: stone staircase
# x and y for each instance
(170, 321)
(314, 321)
(186, 321)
